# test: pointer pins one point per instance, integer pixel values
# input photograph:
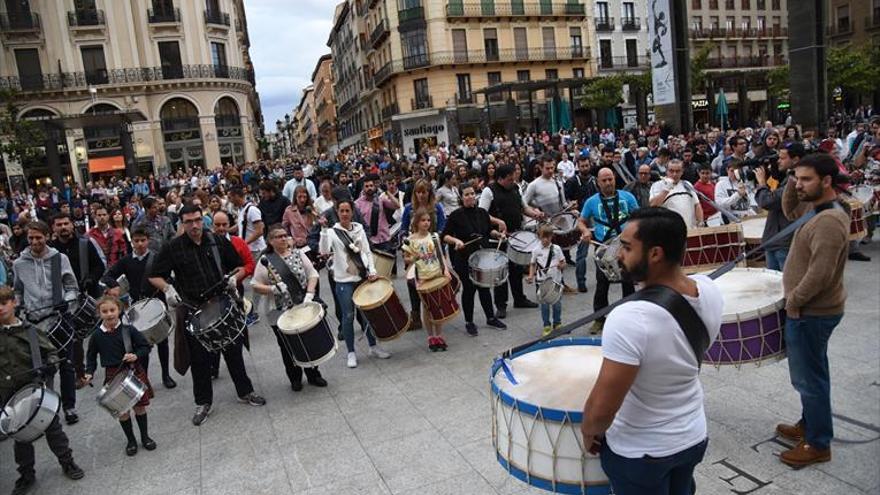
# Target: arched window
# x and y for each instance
(38, 114)
(229, 136)
(178, 113)
(101, 109)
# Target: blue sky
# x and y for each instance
(287, 38)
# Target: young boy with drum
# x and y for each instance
(546, 266)
(17, 363)
(119, 354)
(422, 250)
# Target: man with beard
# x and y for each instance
(271, 205)
(607, 211)
(678, 195)
(157, 225)
(812, 280)
(645, 414)
(110, 240)
(375, 207)
(297, 180)
(580, 188)
(88, 268)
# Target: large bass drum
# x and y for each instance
(307, 336)
(217, 323)
(29, 412)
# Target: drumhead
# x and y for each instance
(524, 241)
(750, 292)
(558, 377)
(753, 229)
(564, 222)
(371, 294)
(20, 408)
(433, 284)
(301, 317)
(146, 313)
(863, 193)
(488, 259)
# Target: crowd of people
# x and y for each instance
(188, 236)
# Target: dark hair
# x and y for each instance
(662, 227)
(189, 209)
(466, 185)
(795, 150)
(6, 294)
(140, 231)
(823, 163)
(664, 152)
(546, 157)
(503, 171)
(732, 142)
(342, 201)
(371, 178)
(705, 166)
(60, 216)
(268, 185)
(236, 190)
(39, 226)
(149, 202)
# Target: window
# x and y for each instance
(169, 58)
(218, 58)
(213, 7)
(550, 75)
(423, 97)
(843, 18)
(632, 53)
(606, 61)
(762, 23)
(761, 4)
(94, 65)
(163, 7)
(493, 79)
(774, 4)
(549, 36)
(696, 4)
(746, 4)
(459, 45)
(713, 4)
(729, 4)
(415, 49)
(697, 23)
(464, 88)
(730, 23)
(522, 76)
(746, 23)
(490, 44)
(521, 43)
(714, 23)
(602, 11)
(29, 73)
(629, 10)
(577, 43)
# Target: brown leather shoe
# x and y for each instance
(803, 454)
(569, 290)
(793, 432)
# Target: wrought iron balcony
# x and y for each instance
(411, 15)
(20, 22)
(163, 16)
(623, 63)
(744, 62)
(64, 81)
(512, 8)
(379, 33)
(390, 111)
(604, 24)
(216, 18)
(85, 18)
(630, 24)
(421, 103)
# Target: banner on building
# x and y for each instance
(660, 40)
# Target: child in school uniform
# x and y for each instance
(108, 342)
(547, 262)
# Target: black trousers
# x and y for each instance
(515, 280)
(162, 350)
(467, 295)
(67, 375)
(294, 371)
(600, 297)
(58, 444)
(200, 367)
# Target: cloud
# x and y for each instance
(287, 39)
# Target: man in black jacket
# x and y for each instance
(579, 188)
(272, 204)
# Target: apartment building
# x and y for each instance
(305, 133)
(325, 105)
(154, 85)
(853, 23)
(347, 50)
(747, 39)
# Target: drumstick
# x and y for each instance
(475, 239)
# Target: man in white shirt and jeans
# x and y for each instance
(645, 413)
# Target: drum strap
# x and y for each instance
(36, 358)
(549, 257)
(126, 337)
(216, 253)
(353, 256)
(83, 259)
(374, 217)
(57, 288)
(297, 293)
(612, 215)
(145, 282)
(685, 315)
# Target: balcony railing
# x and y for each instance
(383, 74)
(512, 8)
(510, 55)
(163, 16)
(465, 99)
(21, 21)
(180, 124)
(138, 75)
(623, 63)
(742, 62)
(85, 18)
(216, 18)
(841, 27)
(630, 24)
(604, 24)
(422, 103)
(416, 61)
(390, 111)
(413, 14)
(379, 33)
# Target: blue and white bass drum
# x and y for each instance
(537, 416)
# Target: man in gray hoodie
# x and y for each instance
(35, 290)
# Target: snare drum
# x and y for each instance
(753, 321)
(520, 245)
(217, 323)
(438, 296)
(124, 391)
(59, 329)
(307, 335)
(858, 228)
(549, 291)
(711, 247)
(151, 318)
(536, 424)
(488, 268)
(565, 229)
(380, 305)
(85, 317)
(384, 263)
(29, 412)
(753, 232)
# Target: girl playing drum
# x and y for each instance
(108, 342)
(422, 249)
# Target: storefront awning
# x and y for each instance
(106, 164)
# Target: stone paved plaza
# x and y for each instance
(419, 423)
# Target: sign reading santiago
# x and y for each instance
(660, 38)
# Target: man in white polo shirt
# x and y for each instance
(645, 413)
(678, 195)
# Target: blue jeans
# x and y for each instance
(670, 475)
(344, 294)
(806, 339)
(776, 258)
(557, 313)
(580, 271)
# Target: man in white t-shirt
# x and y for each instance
(678, 195)
(565, 167)
(546, 193)
(250, 222)
(645, 413)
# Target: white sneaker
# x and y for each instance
(378, 352)
(352, 360)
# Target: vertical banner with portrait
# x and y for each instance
(660, 40)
